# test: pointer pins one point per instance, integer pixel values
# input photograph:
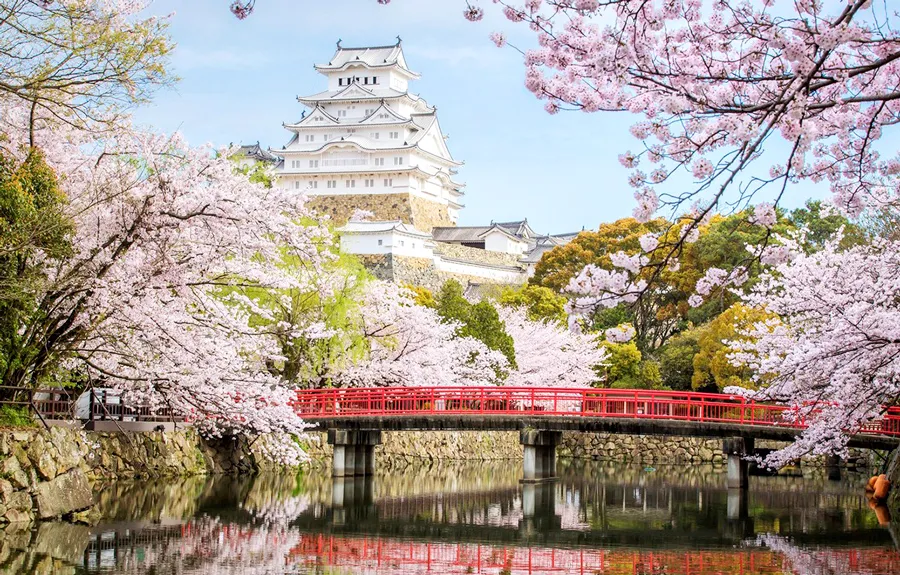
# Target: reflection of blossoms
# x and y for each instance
(814, 561)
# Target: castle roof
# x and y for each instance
(543, 244)
(519, 230)
(368, 56)
(255, 152)
(357, 93)
(380, 227)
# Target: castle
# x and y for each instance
(369, 146)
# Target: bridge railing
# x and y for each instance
(577, 402)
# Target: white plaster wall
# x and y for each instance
(393, 243)
(498, 242)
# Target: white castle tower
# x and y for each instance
(367, 143)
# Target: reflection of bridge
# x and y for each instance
(630, 515)
(355, 419)
(367, 554)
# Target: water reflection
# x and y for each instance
(596, 519)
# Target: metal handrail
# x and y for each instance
(570, 402)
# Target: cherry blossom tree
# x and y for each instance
(144, 301)
(84, 62)
(834, 354)
(411, 345)
(549, 355)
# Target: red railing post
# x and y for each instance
(650, 404)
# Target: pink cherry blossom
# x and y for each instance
(832, 354)
(764, 215)
(548, 355)
(620, 334)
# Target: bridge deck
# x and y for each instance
(643, 412)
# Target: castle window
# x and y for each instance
(388, 182)
(296, 185)
(366, 80)
(401, 243)
(369, 112)
(379, 161)
(398, 160)
(314, 163)
(370, 183)
(374, 79)
(340, 81)
(380, 242)
(377, 135)
(342, 113)
(325, 137)
(331, 184)
(350, 183)
(314, 184)
(310, 137)
(395, 135)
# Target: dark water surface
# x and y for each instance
(471, 518)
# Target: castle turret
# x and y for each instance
(367, 143)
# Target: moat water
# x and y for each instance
(472, 518)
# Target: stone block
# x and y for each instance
(65, 541)
(11, 469)
(18, 508)
(41, 455)
(66, 493)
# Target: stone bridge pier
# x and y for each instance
(736, 449)
(539, 462)
(354, 451)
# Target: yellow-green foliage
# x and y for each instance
(711, 364)
(422, 296)
(541, 303)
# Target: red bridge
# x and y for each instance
(356, 417)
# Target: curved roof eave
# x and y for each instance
(328, 69)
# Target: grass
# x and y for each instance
(11, 416)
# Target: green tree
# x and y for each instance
(541, 303)
(676, 360)
(258, 173)
(822, 224)
(319, 330)
(33, 225)
(422, 296)
(480, 321)
(713, 369)
(622, 367)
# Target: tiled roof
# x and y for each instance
(255, 152)
(519, 229)
(372, 227)
(368, 55)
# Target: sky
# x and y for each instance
(239, 81)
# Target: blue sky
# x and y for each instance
(240, 79)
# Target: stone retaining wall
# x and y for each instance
(47, 473)
(403, 447)
(461, 252)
